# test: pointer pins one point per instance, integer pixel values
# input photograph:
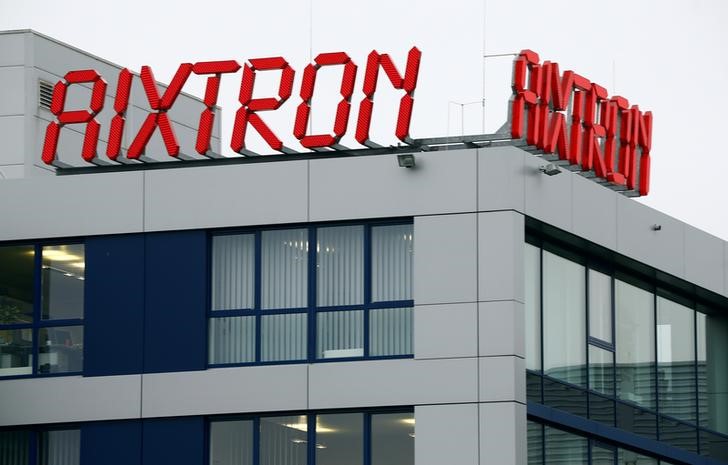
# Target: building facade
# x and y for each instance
(340, 308)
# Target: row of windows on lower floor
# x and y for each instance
(275, 295)
(354, 438)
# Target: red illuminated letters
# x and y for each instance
(604, 135)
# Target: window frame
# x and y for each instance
(38, 323)
(311, 310)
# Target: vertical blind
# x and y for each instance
(232, 340)
(62, 447)
(284, 268)
(340, 265)
(233, 272)
(14, 447)
(392, 249)
(231, 442)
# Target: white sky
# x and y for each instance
(666, 56)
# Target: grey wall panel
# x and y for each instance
(548, 198)
(12, 171)
(392, 382)
(12, 48)
(445, 262)
(502, 379)
(447, 330)
(12, 129)
(503, 433)
(71, 205)
(375, 186)
(636, 238)
(501, 328)
(501, 237)
(261, 193)
(704, 263)
(446, 434)
(58, 58)
(12, 99)
(501, 177)
(225, 390)
(69, 399)
(594, 211)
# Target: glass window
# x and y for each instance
(600, 306)
(60, 447)
(535, 443)
(41, 309)
(14, 447)
(393, 439)
(713, 373)
(392, 252)
(601, 370)
(602, 455)
(284, 268)
(564, 299)
(627, 457)
(340, 334)
(390, 331)
(533, 307)
(676, 359)
(233, 272)
(635, 344)
(62, 282)
(231, 340)
(268, 288)
(60, 349)
(564, 448)
(340, 439)
(231, 442)
(340, 265)
(283, 440)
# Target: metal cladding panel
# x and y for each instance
(180, 441)
(12, 48)
(12, 130)
(69, 399)
(446, 330)
(501, 182)
(226, 390)
(375, 186)
(111, 443)
(704, 263)
(45, 207)
(447, 434)
(249, 194)
(501, 328)
(502, 378)
(446, 259)
(594, 212)
(638, 237)
(392, 382)
(503, 433)
(501, 239)
(114, 305)
(175, 319)
(11, 95)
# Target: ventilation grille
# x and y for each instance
(45, 94)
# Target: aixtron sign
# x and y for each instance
(569, 115)
(250, 114)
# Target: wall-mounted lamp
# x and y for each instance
(549, 169)
(406, 160)
(656, 227)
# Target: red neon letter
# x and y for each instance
(342, 110)
(526, 60)
(408, 84)
(159, 117)
(121, 103)
(207, 117)
(249, 105)
(64, 117)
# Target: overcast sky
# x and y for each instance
(665, 56)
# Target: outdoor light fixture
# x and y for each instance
(549, 169)
(406, 160)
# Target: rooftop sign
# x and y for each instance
(567, 115)
(249, 114)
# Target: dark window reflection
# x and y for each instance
(283, 440)
(393, 439)
(340, 439)
(60, 349)
(16, 284)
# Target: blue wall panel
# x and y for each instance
(175, 336)
(178, 441)
(114, 307)
(111, 443)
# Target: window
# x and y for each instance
(54, 446)
(41, 309)
(355, 438)
(655, 360)
(277, 298)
